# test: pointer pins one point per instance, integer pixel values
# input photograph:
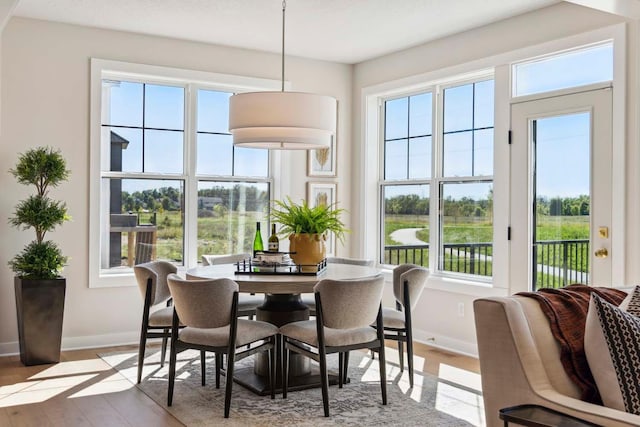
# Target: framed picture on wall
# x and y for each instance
(322, 162)
(323, 193)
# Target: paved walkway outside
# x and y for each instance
(407, 236)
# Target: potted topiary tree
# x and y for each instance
(307, 229)
(39, 288)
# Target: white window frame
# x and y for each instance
(191, 81)
(372, 131)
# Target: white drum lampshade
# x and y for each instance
(282, 120)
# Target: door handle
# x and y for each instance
(601, 253)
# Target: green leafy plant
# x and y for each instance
(42, 167)
(294, 218)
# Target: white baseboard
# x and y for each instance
(78, 343)
(9, 348)
(106, 340)
(446, 343)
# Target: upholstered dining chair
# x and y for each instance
(209, 311)
(247, 304)
(345, 311)
(224, 258)
(309, 299)
(408, 282)
(152, 281)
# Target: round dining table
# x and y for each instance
(282, 304)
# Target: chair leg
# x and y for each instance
(203, 367)
(228, 382)
(401, 351)
(285, 367)
(165, 340)
(325, 382)
(410, 355)
(383, 373)
(272, 367)
(218, 368)
(340, 369)
(141, 350)
(345, 377)
(172, 371)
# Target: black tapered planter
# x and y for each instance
(40, 308)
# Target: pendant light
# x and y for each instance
(282, 120)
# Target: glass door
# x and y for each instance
(561, 191)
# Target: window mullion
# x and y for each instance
(434, 199)
(473, 131)
(408, 135)
(144, 133)
(191, 182)
(382, 159)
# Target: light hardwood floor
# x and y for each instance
(83, 390)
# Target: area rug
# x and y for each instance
(430, 403)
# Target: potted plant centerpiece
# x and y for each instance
(307, 228)
(39, 288)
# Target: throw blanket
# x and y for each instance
(567, 309)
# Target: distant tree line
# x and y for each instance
(170, 199)
(412, 204)
(409, 204)
(563, 206)
(165, 198)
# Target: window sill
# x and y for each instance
(442, 283)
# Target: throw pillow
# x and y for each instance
(612, 347)
(631, 303)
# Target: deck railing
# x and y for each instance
(558, 262)
(561, 263)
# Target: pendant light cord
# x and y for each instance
(284, 6)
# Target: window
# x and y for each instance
(227, 209)
(577, 67)
(172, 185)
(407, 169)
(448, 171)
(466, 182)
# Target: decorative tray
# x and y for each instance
(278, 263)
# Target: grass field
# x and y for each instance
(548, 228)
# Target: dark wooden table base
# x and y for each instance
(259, 384)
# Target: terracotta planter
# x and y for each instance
(309, 250)
(40, 308)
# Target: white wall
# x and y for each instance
(45, 100)
(437, 315)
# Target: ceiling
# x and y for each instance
(347, 31)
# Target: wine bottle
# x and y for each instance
(257, 241)
(274, 242)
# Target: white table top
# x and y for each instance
(281, 283)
